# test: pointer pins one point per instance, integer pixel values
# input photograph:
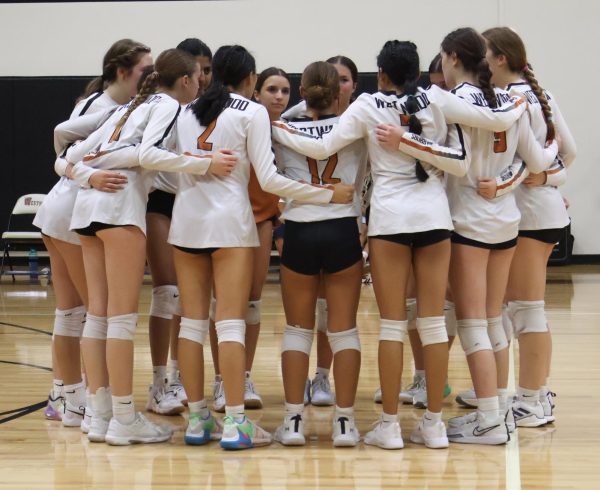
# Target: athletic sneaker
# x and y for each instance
(385, 435)
(377, 396)
(480, 431)
(509, 418)
(163, 401)
(321, 395)
(420, 396)
(55, 407)
(252, 398)
(87, 420)
(291, 431)
(418, 385)
(433, 437)
(528, 415)
(73, 416)
(201, 431)
(177, 388)
(345, 433)
(140, 431)
(218, 396)
(467, 398)
(243, 435)
(98, 428)
(307, 392)
(548, 405)
(462, 420)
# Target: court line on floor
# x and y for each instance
(22, 411)
(513, 462)
(26, 328)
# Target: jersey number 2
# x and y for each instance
(326, 178)
(500, 142)
(202, 144)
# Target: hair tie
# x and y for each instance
(526, 67)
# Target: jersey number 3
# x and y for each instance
(326, 178)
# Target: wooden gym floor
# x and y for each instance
(39, 454)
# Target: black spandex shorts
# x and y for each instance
(197, 251)
(279, 231)
(550, 235)
(456, 238)
(161, 202)
(417, 240)
(94, 227)
(331, 245)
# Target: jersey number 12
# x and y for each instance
(326, 177)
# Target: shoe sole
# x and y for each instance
(219, 409)
(172, 411)
(487, 441)
(96, 437)
(550, 419)
(384, 446)
(438, 443)
(253, 404)
(322, 403)
(196, 441)
(532, 424)
(292, 441)
(345, 442)
(465, 403)
(236, 446)
(53, 416)
(421, 405)
(126, 441)
(85, 428)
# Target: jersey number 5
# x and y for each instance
(326, 178)
(500, 142)
(202, 144)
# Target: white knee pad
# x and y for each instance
(450, 317)
(297, 339)
(122, 326)
(164, 301)
(346, 340)
(507, 323)
(411, 313)
(473, 335)
(194, 330)
(95, 327)
(321, 315)
(253, 314)
(527, 317)
(432, 330)
(393, 330)
(212, 310)
(497, 334)
(69, 323)
(231, 331)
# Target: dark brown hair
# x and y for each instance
(469, 47)
(321, 84)
(269, 72)
(505, 41)
(125, 53)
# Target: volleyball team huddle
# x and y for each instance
(182, 164)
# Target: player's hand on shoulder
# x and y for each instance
(389, 135)
(223, 162)
(108, 181)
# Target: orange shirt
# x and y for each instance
(264, 204)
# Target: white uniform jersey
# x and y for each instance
(54, 216)
(212, 211)
(495, 220)
(147, 138)
(542, 207)
(400, 203)
(346, 166)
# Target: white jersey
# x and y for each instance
(491, 220)
(542, 207)
(400, 203)
(54, 216)
(212, 211)
(147, 139)
(346, 166)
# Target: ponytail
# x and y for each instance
(542, 99)
(414, 125)
(147, 89)
(94, 86)
(485, 83)
(212, 102)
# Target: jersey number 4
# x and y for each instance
(500, 142)
(202, 144)
(326, 177)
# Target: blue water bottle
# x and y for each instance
(33, 264)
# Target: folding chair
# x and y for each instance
(23, 234)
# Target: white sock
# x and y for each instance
(237, 412)
(200, 408)
(101, 403)
(543, 392)
(419, 374)
(159, 376)
(488, 407)
(344, 412)
(75, 395)
(431, 418)
(172, 368)
(322, 372)
(123, 409)
(57, 388)
(503, 400)
(294, 408)
(531, 397)
(387, 419)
